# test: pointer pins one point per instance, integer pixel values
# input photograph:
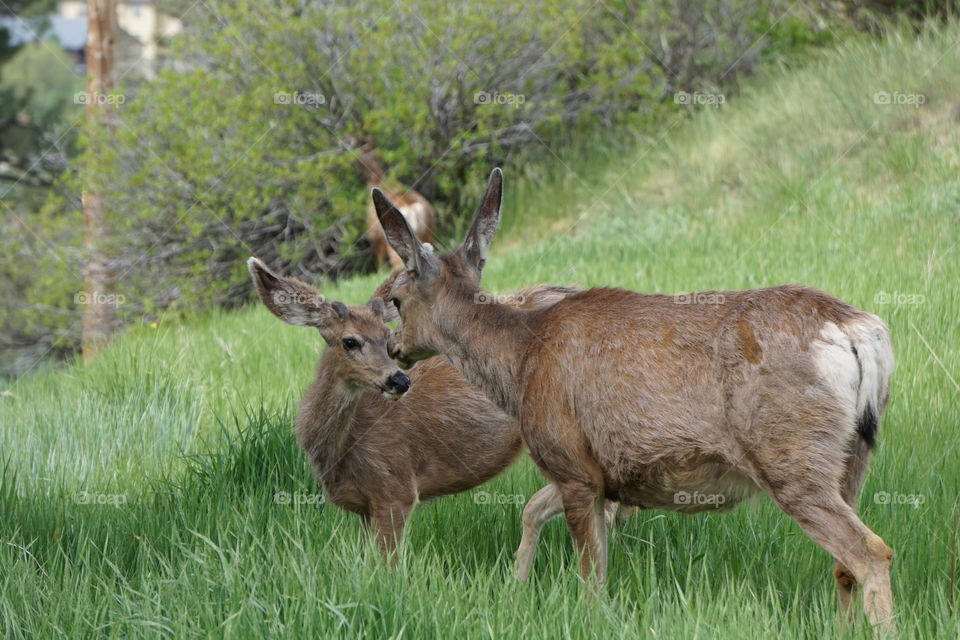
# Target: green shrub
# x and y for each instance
(247, 142)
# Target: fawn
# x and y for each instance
(377, 454)
(636, 398)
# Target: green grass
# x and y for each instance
(802, 178)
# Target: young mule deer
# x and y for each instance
(637, 398)
(377, 456)
(415, 208)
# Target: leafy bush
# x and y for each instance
(248, 142)
(254, 147)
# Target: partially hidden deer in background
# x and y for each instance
(659, 404)
(415, 208)
(376, 453)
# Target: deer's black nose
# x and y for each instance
(399, 382)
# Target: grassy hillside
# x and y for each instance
(138, 495)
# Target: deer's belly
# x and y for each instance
(707, 487)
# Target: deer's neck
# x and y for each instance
(488, 343)
(326, 418)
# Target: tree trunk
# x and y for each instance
(99, 295)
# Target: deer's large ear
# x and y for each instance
(384, 293)
(378, 307)
(473, 251)
(417, 258)
(293, 301)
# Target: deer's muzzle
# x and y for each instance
(398, 384)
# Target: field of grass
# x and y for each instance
(138, 495)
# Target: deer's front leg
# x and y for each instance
(543, 505)
(583, 507)
(387, 522)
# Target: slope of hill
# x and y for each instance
(138, 496)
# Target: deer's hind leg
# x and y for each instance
(859, 552)
(809, 481)
(856, 466)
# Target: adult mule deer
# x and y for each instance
(417, 209)
(639, 399)
(377, 457)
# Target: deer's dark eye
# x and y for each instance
(351, 344)
(396, 303)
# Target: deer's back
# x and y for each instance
(415, 209)
(657, 382)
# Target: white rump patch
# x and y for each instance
(415, 215)
(872, 339)
(857, 379)
(838, 366)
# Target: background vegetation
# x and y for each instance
(139, 494)
(246, 142)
